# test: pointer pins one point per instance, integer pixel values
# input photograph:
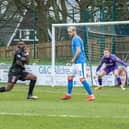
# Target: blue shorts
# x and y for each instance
(110, 69)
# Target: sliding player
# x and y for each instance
(111, 62)
(78, 65)
(17, 71)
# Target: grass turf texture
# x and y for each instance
(110, 110)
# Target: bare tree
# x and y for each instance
(46, 12)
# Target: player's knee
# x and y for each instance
(70, 78)
(34, 77)
(9, 88)
(82, 80)
(115, 75)
(99, 77)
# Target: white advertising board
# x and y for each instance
(44, 77)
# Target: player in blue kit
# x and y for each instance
(78, 65)
(111, 62)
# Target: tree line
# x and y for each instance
(46, 12)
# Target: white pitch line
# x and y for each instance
(34, 114)
(19, 114)
(60, 116)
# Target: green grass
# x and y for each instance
(110, 110)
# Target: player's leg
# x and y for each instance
(69, 83)
(81, 69)
(69, 88)
(7, 88)
(32, 78)
(87, 87)
(123, 76)
(12, 79)
(100, 75)
(116, 73)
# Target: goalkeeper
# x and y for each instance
(17, 71)
(78, 65)
(111, 62)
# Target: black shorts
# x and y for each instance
(13, 77)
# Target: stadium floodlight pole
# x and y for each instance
(53, 56)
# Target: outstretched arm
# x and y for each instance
(100, 65)
(121, 62)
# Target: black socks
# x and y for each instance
(31, 87)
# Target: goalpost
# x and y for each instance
(96, 37)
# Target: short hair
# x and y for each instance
(107, 49)
(21, 43)
(73, 28)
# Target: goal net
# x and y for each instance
(96, 36)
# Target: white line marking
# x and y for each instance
(60, 116)
(36, 114)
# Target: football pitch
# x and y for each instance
(110, 110)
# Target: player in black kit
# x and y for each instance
(17, 71)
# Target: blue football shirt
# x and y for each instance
(77, 42)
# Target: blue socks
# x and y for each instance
(87, 87)
(85, 84)
(70, 86)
